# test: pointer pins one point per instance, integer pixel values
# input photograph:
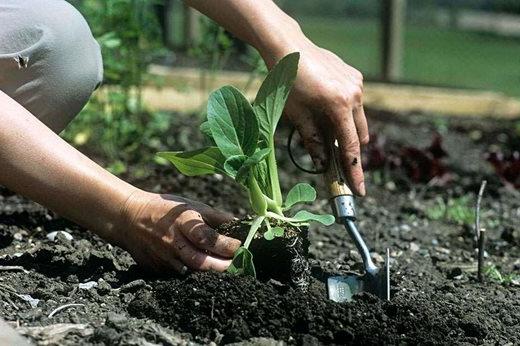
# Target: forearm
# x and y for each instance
(37, 163)
(261, 23)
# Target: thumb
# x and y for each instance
(212, 216)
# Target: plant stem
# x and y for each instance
(273, 206)
(283, 218)
(273, 174)
(257, 198)
(267, 224)
(252, 231)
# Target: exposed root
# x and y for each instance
(13, 268)
(63, 307)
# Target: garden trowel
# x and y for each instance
(375, 280)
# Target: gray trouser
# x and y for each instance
(49, 61)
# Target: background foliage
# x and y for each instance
(115, 119)
(117, 127)
(131, 38)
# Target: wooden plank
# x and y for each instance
(182, 91)
(393, 18)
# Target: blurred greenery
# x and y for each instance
(370, 8)
(493, 272)
(117, 126)
(115, 119)
(458, 210)
(432, 55)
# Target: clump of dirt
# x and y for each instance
(283, 258)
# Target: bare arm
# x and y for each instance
(327, 93)
(40, 165)
(162, 231)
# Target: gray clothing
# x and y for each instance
(8, 336)
(49, 61)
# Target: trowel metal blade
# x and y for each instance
(343, 288)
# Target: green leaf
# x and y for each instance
(261, 174)
(305, 216)
(233, 164)
(269, 235)
(116, 167)
(250, 162)
(242, 263)
(206, 129)
(278, 231)
(255, 225)
(300, 193)
(239, 166)
(109, 40)
(273, 93)
(197, 162)
(232, 121)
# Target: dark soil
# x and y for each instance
(435, 296)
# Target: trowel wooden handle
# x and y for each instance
(334, 178)
(337, 187)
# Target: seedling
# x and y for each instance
(243, 149)
(456, 210)
(494, 274)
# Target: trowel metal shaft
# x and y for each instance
(345, 212)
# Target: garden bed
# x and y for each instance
(436, 298)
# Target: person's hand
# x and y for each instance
(327, 98)
(327, 102)
(166, 232)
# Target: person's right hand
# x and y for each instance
(326, 103)
(166, 232)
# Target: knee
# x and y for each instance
(65, 65)
(75, 52)
(73, 57)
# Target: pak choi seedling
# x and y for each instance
(243, 148)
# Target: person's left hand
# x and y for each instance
(170, 233)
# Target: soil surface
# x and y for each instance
(73, 288)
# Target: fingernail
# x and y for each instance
(361, 188)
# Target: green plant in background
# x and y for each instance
(215, 47)
(494, 274)
(129, 35)
(458, 210)
(243, 149)
(517, 128)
